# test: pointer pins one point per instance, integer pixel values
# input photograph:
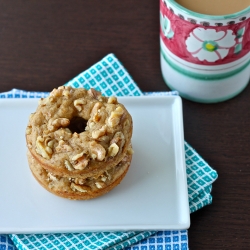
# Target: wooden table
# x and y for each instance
(43, 44)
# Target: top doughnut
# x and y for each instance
(78, 132)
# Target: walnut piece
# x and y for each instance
(28, 130)
(68, 165)
(59, 122)
(77, 156)
(80, 160)
(79, 181)
(79, 104)
(93, 93)
(42, 149)
(80, 188)
(66, 93)
(97, 151)
(112, 100)
(95, 108)
(63, 147)
(98, 133)
(100, 184)
(51, 177)
(103, 177)
(82, 163)
(56, 92)
(115, 116)
(118, 139)
(113, 150)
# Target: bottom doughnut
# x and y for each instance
(77, 188)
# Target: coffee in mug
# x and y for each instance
(215, 7)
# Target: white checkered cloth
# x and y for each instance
(110, 77)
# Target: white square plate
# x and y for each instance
(152, 196)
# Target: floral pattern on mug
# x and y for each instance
(166, 26)
(239, 39)
(210, 45)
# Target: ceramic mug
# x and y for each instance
(205, 58)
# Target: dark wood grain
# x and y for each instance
(43, 44)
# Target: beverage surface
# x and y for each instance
(215, 7)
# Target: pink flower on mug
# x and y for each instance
(209, 45)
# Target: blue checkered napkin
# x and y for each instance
(6, 243)
(111, 78)
(167, 240)
(108, 76)
(200, 177)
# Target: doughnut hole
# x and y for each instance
(77, 124)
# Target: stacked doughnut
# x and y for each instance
(79, 143)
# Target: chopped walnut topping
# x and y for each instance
(95, 94)
(98, 133)
(68, 165)
(113, 150)
(59, 122)
(97, 151)
(42, 149)
(79, 181)
(28, 130)
(66, 93)
(103, 177)
(80, 188)
(130, 151)
(79, 104)
(79, 151)
(115, 116)
(100, 184)
(96, 107)
(80, 160)
(52, 177)
(118, 139)
(112, 100)
(56, 92)
(77, 156)
(63, 147)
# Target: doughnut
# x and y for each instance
(79, 188)
(79, 134)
